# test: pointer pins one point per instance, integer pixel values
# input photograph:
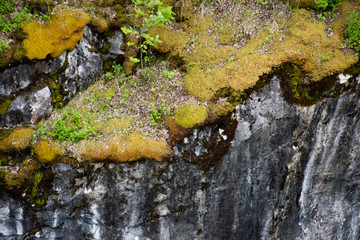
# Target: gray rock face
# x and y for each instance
(83, 67)
(29, 107)
(290, 173)
(15, 79)
(74, 71)
(117, 40)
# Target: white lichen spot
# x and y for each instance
(221, 133)
(343, 79)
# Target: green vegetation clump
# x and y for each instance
(323, 5)
(71, 126)
(147, 13)
(353, 31)
(10, 21)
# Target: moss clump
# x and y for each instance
(115, 125)
(4, 106)
(221, 109)
(14, 53)
(190, 114)
(18, 140)
(99, 24)
(46, 151)
(16, 178)
(54, 37)
(124, 148)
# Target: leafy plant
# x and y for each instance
(149, 13)
(323, 5)
(71, 126)
(325, 57)
(3, 45)
(156, 115)
(353, 31)
(168, 74)
(9, 22)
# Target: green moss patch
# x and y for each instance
(190, 114)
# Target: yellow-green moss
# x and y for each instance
(190, 114)
(99, 24)
(4, 106)
(124, 148)
(18, 140)
(46, 151)
(14, 53)
(115, 125)
(172, 41)
(61, 33)
(221, 109)
(18, 179)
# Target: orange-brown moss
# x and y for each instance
(18, 140)
(46, 151)
(124, 148)
(61, 33)
(190, 114)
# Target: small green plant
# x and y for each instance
(262, 2)
(3, 45)
(323, 5)
(325, 57)
(44, 17)
(150, 13)
(10, 22)
(353, 31)
(71, 126)
(169, 75)
(156, 115)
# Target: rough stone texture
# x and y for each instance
(84, 66)
(290, 173)
(15, 79)
(74, 71)
(116, 41)
(29, 107)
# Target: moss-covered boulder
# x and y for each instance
(60, 33)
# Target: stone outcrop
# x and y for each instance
(69, 73)
(290, 173)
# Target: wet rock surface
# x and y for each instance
(290, 173)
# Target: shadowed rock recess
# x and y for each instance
(290, 173)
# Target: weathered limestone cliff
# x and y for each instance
(290, 173)
(250, 111)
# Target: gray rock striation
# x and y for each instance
(290, 173)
